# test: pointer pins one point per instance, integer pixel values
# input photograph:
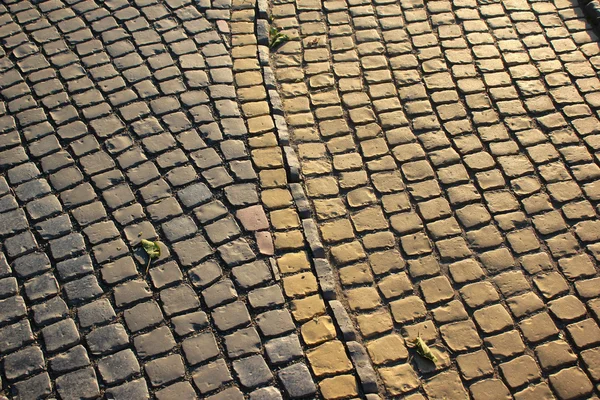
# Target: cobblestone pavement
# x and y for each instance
(450, 152)
(397, 169)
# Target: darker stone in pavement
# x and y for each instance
(67, 246)
(266, 297)
(130, 390)
(192, 251)
(251, 274)
(179, 228)
(194, 195)
(222, 230)
(118, 367)
(41, 286)
(219, 293)
(189, 323)
(97, 312)
(23, 363)
(232, 393)
(242, 343)
(154, 342)
(49, 311)
(83, 289)
(244, 194)
(268, 393)
(107, 339)
(31, 264)
(252, 371)
(275, 322)
(54, 227)
(15, 336)
(205, 274)
(165, 370)
(78, 385)
(71, 359)
(12, 308)
(142, 316)
(231, 316)
(19, 244)
(178, 299)
(297, 381)
(131, 292)
(284, 349)
(12, 222)
(60, 335)
(211, 376)
(37, 387)
(200, 348)
(236, 252)
(177, 391)
(8, 287)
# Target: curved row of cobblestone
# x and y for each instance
(125, 121)
(449, 150)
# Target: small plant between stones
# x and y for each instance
(276, 38)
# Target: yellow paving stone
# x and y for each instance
(347, 253)
(363, 299)
(300, 285)
(318, 330)
(355, 274)
(339, 387)
(285, 219)
(267, 157)
(399, 379)
(289, 240)
(272, 178)
(290, 263)
(276, 198)
(329, 358)
(329, 208)
(336, 231)
(307, 308)
(375, 323)
(387, 349)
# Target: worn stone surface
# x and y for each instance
(439, 159)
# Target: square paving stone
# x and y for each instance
(82, 289)
(236, 252)
(67, 246)
(81, 384)
(252, 371)
(211, 376)
(41, 286)
(60, 335)
(165, 370)
(52, 310)
(37, 387)
(242, 343)
(23, 363)
(97, 312)
(297, 381)
(118, 367)
(54, 227)
(155, 342)
(31, 264)
(189, 323)
(223, 230)
(107, 339)
(178, 299)
(177, 391)
(142, 316)
(268, 393)
(118, 271)
(200, 348)
(219, 293)
(233, 315)
(16, 245)
(571, 383)
(165, 274)
(72, 359)
(12, 308)
(205, 274)
(283, 350)
(130, 390)
(131, 292)
(179, 228)
(192, 251)
(251, 274)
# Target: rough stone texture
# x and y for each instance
(437, 160)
